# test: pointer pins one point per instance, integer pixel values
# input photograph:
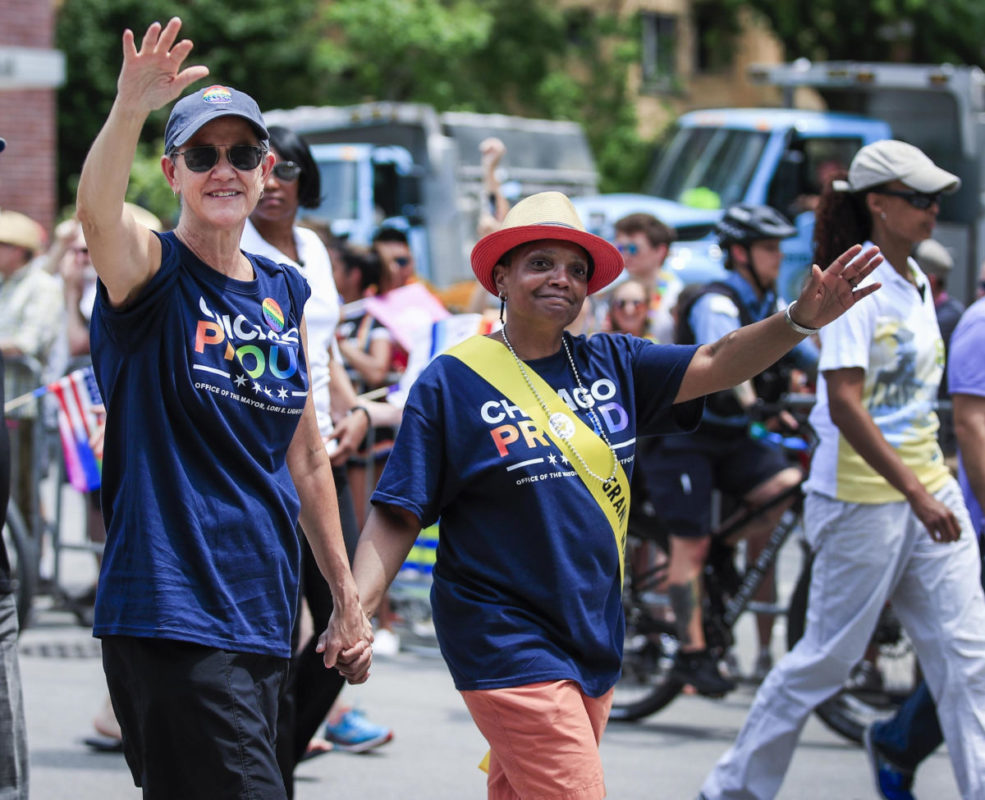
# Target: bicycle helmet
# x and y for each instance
(745, 224)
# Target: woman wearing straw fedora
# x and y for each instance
(522, 443)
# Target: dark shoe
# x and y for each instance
(104, 744)
(892, 781)
(700, 671)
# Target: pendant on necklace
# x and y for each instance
(562, 425)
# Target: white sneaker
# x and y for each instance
(386, 643)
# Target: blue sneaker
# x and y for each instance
(353, 733)
(892, 781)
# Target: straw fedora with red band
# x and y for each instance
(548, 215)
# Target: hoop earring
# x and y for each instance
(502, 307)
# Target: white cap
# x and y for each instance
(892, 160)
(933, 258)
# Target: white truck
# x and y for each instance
(409, 166)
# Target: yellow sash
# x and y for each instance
(494, 363)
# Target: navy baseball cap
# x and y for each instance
(193, 111)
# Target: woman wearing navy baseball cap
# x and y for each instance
(212, 449)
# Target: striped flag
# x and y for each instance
(77, 394)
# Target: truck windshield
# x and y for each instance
(339, 189)
(707, 167)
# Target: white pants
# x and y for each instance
(866, 554)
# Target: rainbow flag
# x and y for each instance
(77, 395)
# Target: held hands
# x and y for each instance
(152, 76)
(829, 294)
(347, 643)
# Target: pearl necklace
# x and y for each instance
(561, 423)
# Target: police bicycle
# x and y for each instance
(878, 684)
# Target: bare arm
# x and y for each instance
(371, 366)
(345, 642)
(125, 254)
(747, 351)
(969, 427)
(845, 388)
(386, 539)
(351, 424)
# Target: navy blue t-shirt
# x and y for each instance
(204, 381)
(526, 584)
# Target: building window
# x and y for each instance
(659, 49)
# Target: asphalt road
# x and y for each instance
(435, 748)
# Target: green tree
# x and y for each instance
(265, 48)
(921, 31)
(524, 57)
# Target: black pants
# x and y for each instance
(198, 722)
(311, 689)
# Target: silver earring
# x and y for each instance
(883, 214)
(502, 307)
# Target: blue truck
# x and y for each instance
(779, 157)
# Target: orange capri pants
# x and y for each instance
(544, 740)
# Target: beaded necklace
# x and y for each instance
(561, 423)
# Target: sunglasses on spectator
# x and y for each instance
(401, 261)
(243, 157)
(628, 249)
(287, 171)
(623, 304)
(921, 200)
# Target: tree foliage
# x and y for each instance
(921, 31)
(267, 48)
(526, 57)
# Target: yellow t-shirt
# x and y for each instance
(893, 335)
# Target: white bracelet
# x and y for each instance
(797, 327)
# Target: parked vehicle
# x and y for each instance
(780, 157)
(406, 165)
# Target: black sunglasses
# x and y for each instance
(244, 157)
(287, 171)
(921, 200)
(623, 304)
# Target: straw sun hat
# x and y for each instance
(548, 215)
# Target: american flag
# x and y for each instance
(77, 395)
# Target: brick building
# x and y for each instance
(30, 71)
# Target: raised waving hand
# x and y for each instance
(829, 294)
(152, 76)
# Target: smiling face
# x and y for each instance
(222, 196)
(545, 283)
(629, 304)
(280, 198)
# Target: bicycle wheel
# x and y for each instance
(645, 685)
(23, 558)
(881, 682)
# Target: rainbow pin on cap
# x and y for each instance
(193, 111)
